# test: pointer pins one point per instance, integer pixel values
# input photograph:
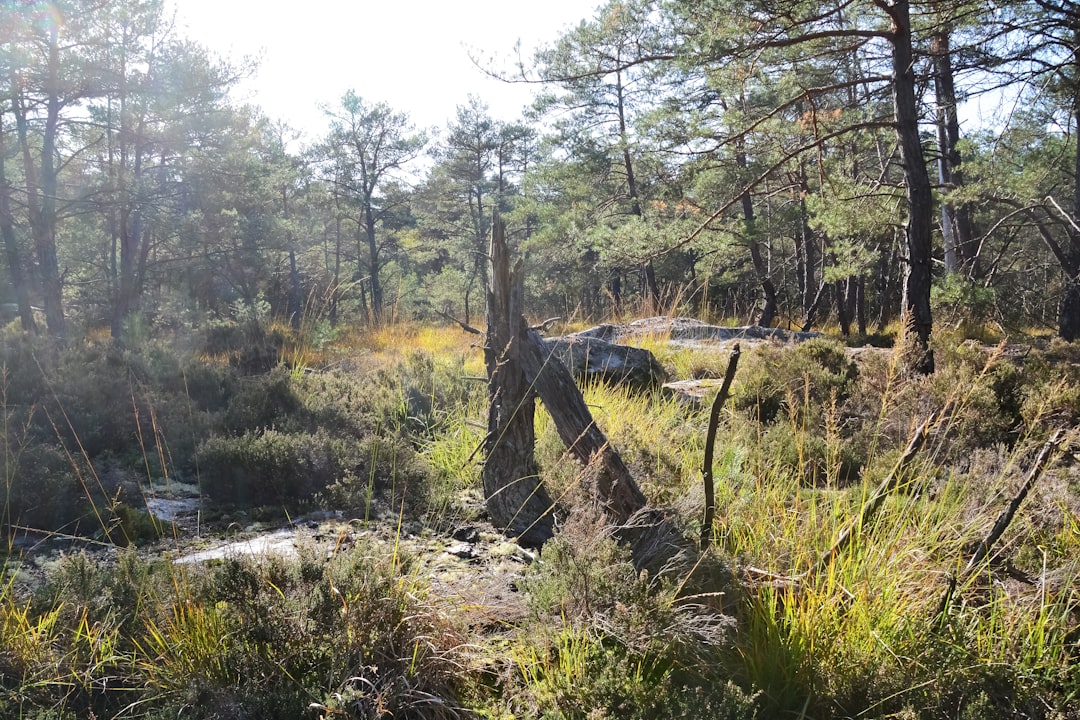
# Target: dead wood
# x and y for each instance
(521, 367)
(710, 443)
(463, 325)
(982, 550)
(883, 490)
(515, 498)
(614, 486)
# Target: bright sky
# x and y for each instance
(411, 54)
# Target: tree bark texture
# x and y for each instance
(614, 487)
(1069, 312)
(769, 307)
(520, 364)
(516, 499)
(920, 199)
(11, 247)
(956, 225)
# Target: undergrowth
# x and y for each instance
(387, 424)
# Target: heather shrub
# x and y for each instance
(273, 467)
(346, 404)
(349, 635)
(390, 477)
(815, 372)
(273, 638)
(595, 651)
(262, 401)
(44, 490)
(247, 344)
(23, 359)
(430, 390)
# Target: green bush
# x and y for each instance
(389, 472)
(263, 401)
(595, 651)
(347, 636)
(272, 638)
(272, 467)
(816, 370)
(45, 491)
(346, 404)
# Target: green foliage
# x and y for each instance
(44, 491)
(809, 376)
(595, 652)
(271, 467)
(270, 638)
(959, 301)
(260, 402)
(390, 473)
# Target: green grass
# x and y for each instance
(803, 443)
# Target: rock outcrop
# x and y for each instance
(588, 357)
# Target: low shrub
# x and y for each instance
(594, 650)
(264, 401)
(44, 491)
(815, 372)
(347, 636)
(390, 476)
(270, 638)
(272, 467)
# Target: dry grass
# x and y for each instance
(800, 450)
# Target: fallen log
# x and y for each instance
(522, 367)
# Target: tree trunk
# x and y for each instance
(613, 486)
(516, 499)
(956, 225)
(519, 363)
(768, 290)
(843, 316)
(650, 290)
(11, 245)
(811, 311)
(917, 274)
(1069, 313)
(373, 264)
(808, 284)
(41, 200)
(886, 288)
(860, 304)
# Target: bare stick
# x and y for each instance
(870, 507)
(464, 326)
(982, 550)
(543, 327)
(710, 442)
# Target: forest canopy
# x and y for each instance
(799, 164)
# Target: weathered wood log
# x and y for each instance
(614, 486)
(520, 367)
(515, 498)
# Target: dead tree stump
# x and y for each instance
(516, 499)
(520, 368)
